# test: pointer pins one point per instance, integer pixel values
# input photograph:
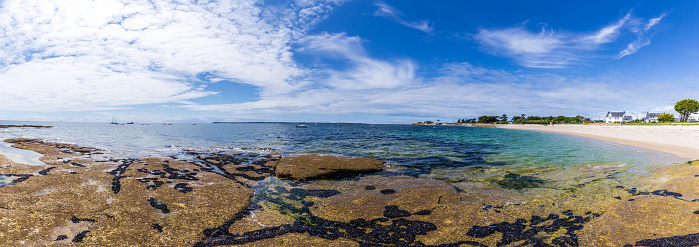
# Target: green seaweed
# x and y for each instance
(518, 182)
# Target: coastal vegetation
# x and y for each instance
(686, 108)
(666, 117)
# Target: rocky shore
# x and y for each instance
(83, 197)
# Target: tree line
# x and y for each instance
(523, 119)
(685, 108)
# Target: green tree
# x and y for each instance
(685, 108)
(503, 118)
(666, 117)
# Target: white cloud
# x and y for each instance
(549, 49)
(545, 49)
(641, 39)
(607, 34)
(391, 13)
(464, 90)
(86, 55)
(364, 71)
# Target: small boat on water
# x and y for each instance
(301, 126)
(114, 121)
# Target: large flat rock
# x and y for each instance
(309, 167)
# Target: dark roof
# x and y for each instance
(653, 115)
(616, 114)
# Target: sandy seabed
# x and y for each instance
(681, 140)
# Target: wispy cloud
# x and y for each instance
(545, 49)
(364, 72)
(78, 55)
(641, 37)
(391, 13)
(549, 49)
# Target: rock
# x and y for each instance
(310, 167)
(59, 206)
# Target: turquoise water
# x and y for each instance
(420, 147)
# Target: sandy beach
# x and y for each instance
(681, 140)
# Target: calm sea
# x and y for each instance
(418, 147)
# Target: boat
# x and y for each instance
(114, 121)
(129, 123)
(301, 126)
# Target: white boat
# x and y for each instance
(301, 126)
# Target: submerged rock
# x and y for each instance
(309, 167)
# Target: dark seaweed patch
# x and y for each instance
(46, 171)
(392, 211)
(158, 227)
(518, 182)
(159, 205)
(685, 240)
(182, 187)
(521, 231)
(116, 184)
(388, 191)
(322, 193)
(79, 238)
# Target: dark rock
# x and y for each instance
(61, 237)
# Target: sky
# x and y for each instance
(400, 61)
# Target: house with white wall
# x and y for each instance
(617, 116)
(651, 117)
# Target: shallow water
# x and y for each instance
(512, 179)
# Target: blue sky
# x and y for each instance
(346, 61)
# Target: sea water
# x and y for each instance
(520, 174)
(420, 147)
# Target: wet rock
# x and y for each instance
(309, 167)
(61, 237)
(647, 217)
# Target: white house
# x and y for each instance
(617, 116)
(651, 117)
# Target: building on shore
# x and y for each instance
(617, 116)
(651, 117)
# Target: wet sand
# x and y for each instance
(681, 140)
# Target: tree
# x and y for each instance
(685, 108)
(503, 118)
(487, 119)
(666, 117)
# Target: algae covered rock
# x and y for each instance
(308, 167)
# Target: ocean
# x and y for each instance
(421, 149)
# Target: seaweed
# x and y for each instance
(518, 182)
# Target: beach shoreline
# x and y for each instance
(681, 140)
